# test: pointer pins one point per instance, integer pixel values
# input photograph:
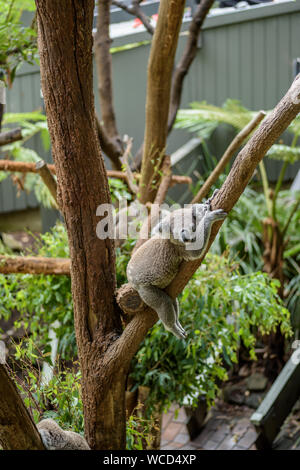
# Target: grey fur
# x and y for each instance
(55, 438)
(182, 235)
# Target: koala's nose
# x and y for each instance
(187, 236)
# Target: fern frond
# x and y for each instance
(21, 118)
(284, 153)
(203, 118)
(294, 127)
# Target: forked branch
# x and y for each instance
(135, 10)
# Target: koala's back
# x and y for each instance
(156, 262)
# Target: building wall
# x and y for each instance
(246, 55)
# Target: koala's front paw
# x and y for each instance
(218, 214)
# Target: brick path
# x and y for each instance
(228, 427)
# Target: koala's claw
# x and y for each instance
(179, 332)
(218, 214)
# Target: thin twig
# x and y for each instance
(135, 10)
(48, 179)
(124, 160)
(229, 152)
(10, 136)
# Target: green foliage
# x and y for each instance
(60, 399)
(204, 118)
(294, 127)
(18, 43)
(137, 433)
(118, 190)
(284, 153)
(219, 308)
(43, 299)
(32, 124)
(123, 255)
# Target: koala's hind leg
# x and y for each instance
(162, 303)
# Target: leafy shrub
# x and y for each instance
(219, 308)
(41, 300)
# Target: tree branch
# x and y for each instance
(111, 146)
(104, 68)
(17, 429)
(10, 136)
(160, 68)
(229, 152)
(124, 160)
(135, 10)
(187, 58)
(34, 265)
(48, 179)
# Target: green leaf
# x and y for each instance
(284, 153)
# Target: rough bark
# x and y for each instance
(187, 58)
(65, 46)
(34, 265)
(160, 67)
(22, 167)
(10, 136)
(17, 429)
(226, 157)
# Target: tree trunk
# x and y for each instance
(160, 67)
(17, 429)
(66, 74)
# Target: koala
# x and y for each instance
(182, 235)
(55, 438)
